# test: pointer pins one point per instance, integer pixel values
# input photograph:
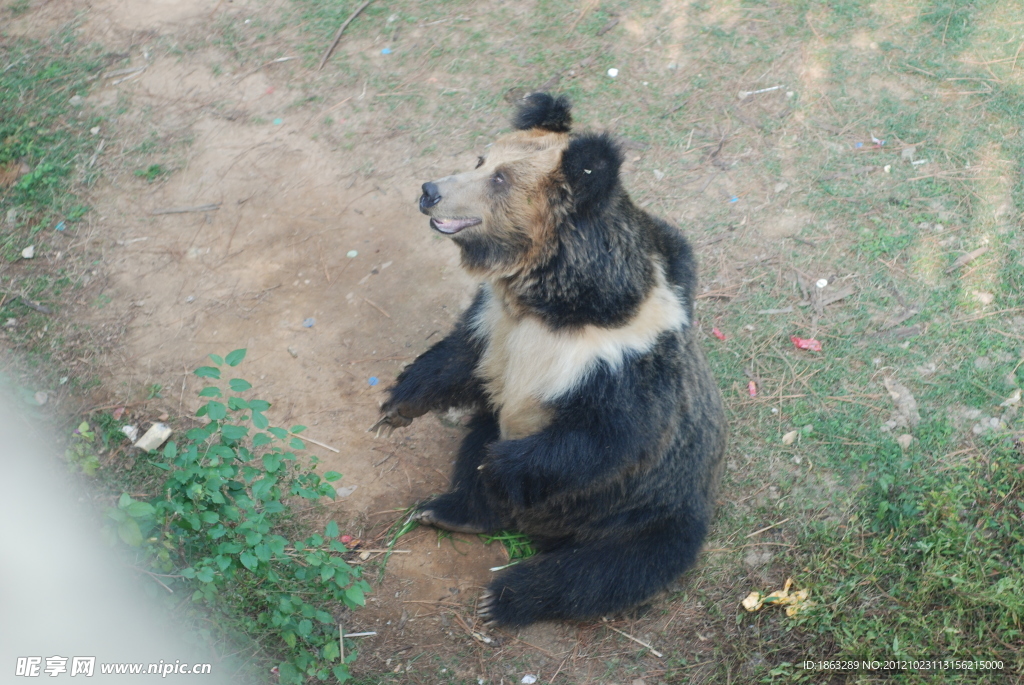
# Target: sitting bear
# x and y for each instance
(598, 430)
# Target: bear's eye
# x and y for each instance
(498, 179)
(479, 162)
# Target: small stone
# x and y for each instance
(12, 216)
(529, 679)
(41, 398)
(790, 437)
(779, 187)
(346, 491)
(293, 352)
(982, 363)
(94, 130)
(351, 253)
(755, 558)
(659, 174)
(985, 298)
(76, 101)
(613, 72)
(821, 282)
(29, 252)
(905, 440)
(908, 153)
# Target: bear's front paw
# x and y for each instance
(392, 418)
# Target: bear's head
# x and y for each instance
(506, 214)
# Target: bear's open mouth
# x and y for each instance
(451, 226)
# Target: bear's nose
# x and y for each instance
(430, 197)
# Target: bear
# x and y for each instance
(597, 428)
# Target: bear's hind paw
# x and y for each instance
(429, 517)
(485, 607)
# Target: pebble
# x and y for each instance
(309, 323)
(293, 352)
(351, 253)
(613, 72)
(29, 252)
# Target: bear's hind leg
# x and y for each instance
(579, 582)
(466, 508)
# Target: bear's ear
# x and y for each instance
(540, 110)
(591, 166)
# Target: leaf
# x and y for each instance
(279, 433)
(326, 573)
(206, 575)
(235, 357)
(297, 429)
(188, 572)
(129, 532)
(240, 384)
(355, 595)
(170, 450)
(305, 627)
(208, 372)
(210, 391)
(217, 359)
(216, 410)
(332, 476)
(296, 444)
(332, 529)
(259, 405)
(237, 403)
(331, 651)
(261, 439)
(249, 560)
(140, 510)
(262, 552)
(124, 500)
(232, 432)
(271, 462)
(341, 673)
(259, 420)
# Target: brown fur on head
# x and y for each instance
(503, 213)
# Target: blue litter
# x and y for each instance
(374, 380)
(860, 145)
(734, 199)
(309, 323)
(60, 227)
(386, 51)
(278, 122)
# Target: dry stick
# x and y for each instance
(341, 29)
(341, 640)
(376, 306)
(315, 442)
(756, 532)
(185, 210)
(639, 642)
(966, 259)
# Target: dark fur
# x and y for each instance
(540, 110)
(618, 490)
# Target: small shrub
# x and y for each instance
(219, 526)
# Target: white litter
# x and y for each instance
(154, 437)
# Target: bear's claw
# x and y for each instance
(485, 607)
(389, 422)
(429, 517)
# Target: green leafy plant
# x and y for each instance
(81, 452)
(152, 172)
(221, 527)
